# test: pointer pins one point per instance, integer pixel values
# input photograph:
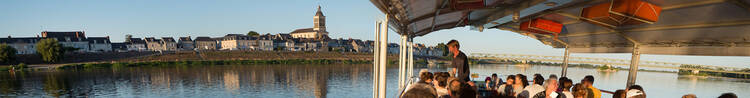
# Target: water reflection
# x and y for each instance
(216, 81)
(56, 86)
(294, 81)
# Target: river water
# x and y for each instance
(308, 81)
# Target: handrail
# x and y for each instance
(406, 85)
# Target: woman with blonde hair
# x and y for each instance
(579, 90)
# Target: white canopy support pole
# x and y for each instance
(636, 56)
(411, 57)
(402, 63)
(565, 62)
(383, 54)
(376, 61)
(634, 65)
(566, 58)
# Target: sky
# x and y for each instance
(214, 18)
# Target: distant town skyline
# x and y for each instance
(181, 18)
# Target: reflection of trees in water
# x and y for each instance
(10, 84)
(309, 80)
(56, 86)
(606, 74)
(302, 80)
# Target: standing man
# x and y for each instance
(460, 62)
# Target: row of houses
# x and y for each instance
(76, 40)
(228, 42)
(267, 42)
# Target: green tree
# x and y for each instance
(50, 50)
(7, 54)
(252, 33)
(443, 48)
(128, 37)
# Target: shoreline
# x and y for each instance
(205, 63)
(213, 58)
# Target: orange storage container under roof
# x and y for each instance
(621, 13)
(542, 26)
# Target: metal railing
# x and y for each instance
(607, 61)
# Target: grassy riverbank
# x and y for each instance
(727, 74)
(201, 58)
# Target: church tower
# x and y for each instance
(319, 21)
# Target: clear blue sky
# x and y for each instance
(175, 18)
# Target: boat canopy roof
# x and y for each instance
(684, 27)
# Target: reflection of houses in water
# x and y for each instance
(231, 81)
(523, 67)
(160, 79)
(309, 80)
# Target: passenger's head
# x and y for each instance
(619, 94)
(454, 85)
(728, 95)
(419, 93)
(488, 79)
(538, 79)
(551, 85)
(636, 91)
(425, 77)
(565, 83)
(510, 80)
(552, 76)
(521, 80)
(441, 79)
(638, 87)
(689, 96)
(466, 91)
(453, 44)
(588, 80)
(494, 76)
(579, 90)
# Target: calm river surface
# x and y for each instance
(291, 81)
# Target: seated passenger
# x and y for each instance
(419, 92)
(728, 95)
(580, 90)
(421, 88)
(550, 90)
(565, 85)
(533, 89)
(488, 84)
(507, 88)
(593, 92)
(521, 82)
(689, 96)
(619, 94)
(440, 83)
(497, 81)
(636, 91)
(461, 90)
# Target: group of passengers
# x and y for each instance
(444, 85)
(517, 86)
(456, 84)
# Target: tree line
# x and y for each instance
(50, 50)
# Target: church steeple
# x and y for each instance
(319, 21)
(319, 13)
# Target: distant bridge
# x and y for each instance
(604, 61)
